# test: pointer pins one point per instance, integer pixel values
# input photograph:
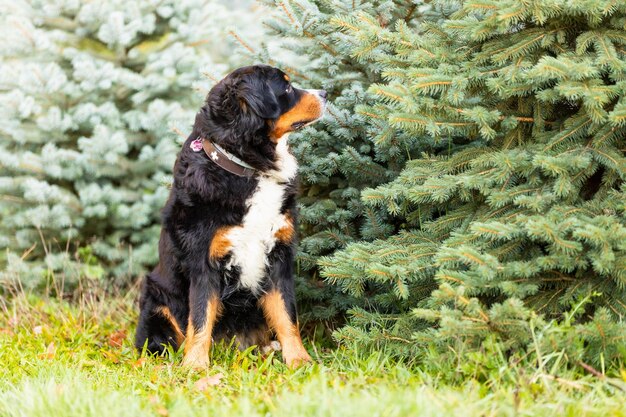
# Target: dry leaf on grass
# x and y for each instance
(50, 353)
(160, 409)
(114, 357)
(117, 338)
(208, 381)
(139, 363)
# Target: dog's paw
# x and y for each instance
(199, 362)
(296, 359)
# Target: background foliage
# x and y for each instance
(89, 94)
(337, 156)
(521, 215)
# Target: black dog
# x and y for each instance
(226, 250)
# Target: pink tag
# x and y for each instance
(196, 145)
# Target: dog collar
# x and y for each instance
(221, 157)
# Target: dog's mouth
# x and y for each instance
(304, 123)
(308, 110)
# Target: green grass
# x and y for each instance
(61, 359)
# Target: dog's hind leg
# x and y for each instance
(158, 322)
(204, 309)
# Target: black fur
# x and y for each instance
(237, 115)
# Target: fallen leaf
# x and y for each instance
(112, 356)
(208, 381)
(117, 338)
(139, 363)
(7, 332)
(160, 409)
(50, 353)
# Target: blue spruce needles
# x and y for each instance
(89, 94)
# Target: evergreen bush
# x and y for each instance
(517, 223)
(336, 156)
(89, 93)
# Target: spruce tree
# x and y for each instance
(89, 94)
(521, 212)
(336, 156)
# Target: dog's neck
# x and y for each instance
(286, 163)
(284, 166)
(222, 158)
(257, 151)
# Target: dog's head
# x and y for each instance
(260, 103)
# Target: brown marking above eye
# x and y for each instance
(307, 109)
(286, 77)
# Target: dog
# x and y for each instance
(228, 236)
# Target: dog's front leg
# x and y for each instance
(279, 307)
(204, 310)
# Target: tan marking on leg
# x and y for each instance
(308, 108)
(197, 344)
(220, 244)
(287, 332)
(165, 312)
(286, 233)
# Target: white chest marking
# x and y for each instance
(253, 241)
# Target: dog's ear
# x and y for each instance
(256, 95)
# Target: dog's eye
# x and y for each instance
(289, 89)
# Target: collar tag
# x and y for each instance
(196, 145)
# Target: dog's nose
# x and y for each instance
(323, 94)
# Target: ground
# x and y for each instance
(77, 359)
